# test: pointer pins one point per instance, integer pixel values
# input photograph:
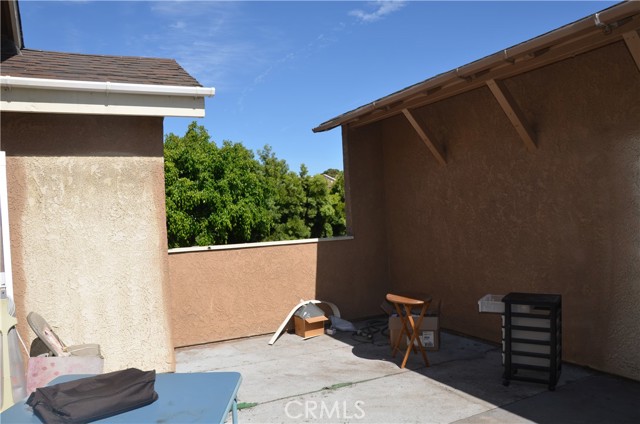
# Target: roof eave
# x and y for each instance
(21, 94)
(609, 23)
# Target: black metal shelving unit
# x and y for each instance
(532, 338)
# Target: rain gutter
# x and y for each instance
(105, 87)
(41, 95)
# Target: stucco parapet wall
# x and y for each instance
(21, 94)
(257, 245)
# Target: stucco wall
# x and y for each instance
(356, 273)
(88, 235)
(224, 294)
(219, 295)
(564, 219)
(227, 294)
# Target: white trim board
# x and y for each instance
(40, 95)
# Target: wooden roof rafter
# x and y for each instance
(513, 112)
(632, 39)
(427, 138)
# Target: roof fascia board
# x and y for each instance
(23, 99)
(108, 87)
(22, 94)
(602, 24)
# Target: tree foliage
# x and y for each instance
(224, 195)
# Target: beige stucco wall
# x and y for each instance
(564, 219)
(220, 295)
(88, 235)
(225, 294)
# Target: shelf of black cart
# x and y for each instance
(530, 354)
(528, 328)
(530, 367)
(530, 315)
(529, 341)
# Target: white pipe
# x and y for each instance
(107, 87)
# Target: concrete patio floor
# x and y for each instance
(340, 379)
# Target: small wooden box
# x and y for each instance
(309, 327)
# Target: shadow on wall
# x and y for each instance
(497, 219)
(356, 286)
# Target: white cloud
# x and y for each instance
(228, 46)
(380, 8)
(178, 25)
(208, 41)
(185, 8)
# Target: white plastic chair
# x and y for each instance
(44, 331)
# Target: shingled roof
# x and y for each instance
(99, 68)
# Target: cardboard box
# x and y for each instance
(429, 332)
(309, 327)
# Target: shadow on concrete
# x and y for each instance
(595, 399)
(475, 368)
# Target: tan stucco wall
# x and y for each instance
(496, 219)
(224, 294)
(88, 235)
(227, 294)
(219, 295)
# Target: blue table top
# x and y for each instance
(182, 398)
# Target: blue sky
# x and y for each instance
(281, 68)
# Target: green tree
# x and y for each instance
(319, 211)
(286, 198)
(223, 195)
(336, 198)
(214, 195)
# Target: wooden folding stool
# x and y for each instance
(410, 327)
